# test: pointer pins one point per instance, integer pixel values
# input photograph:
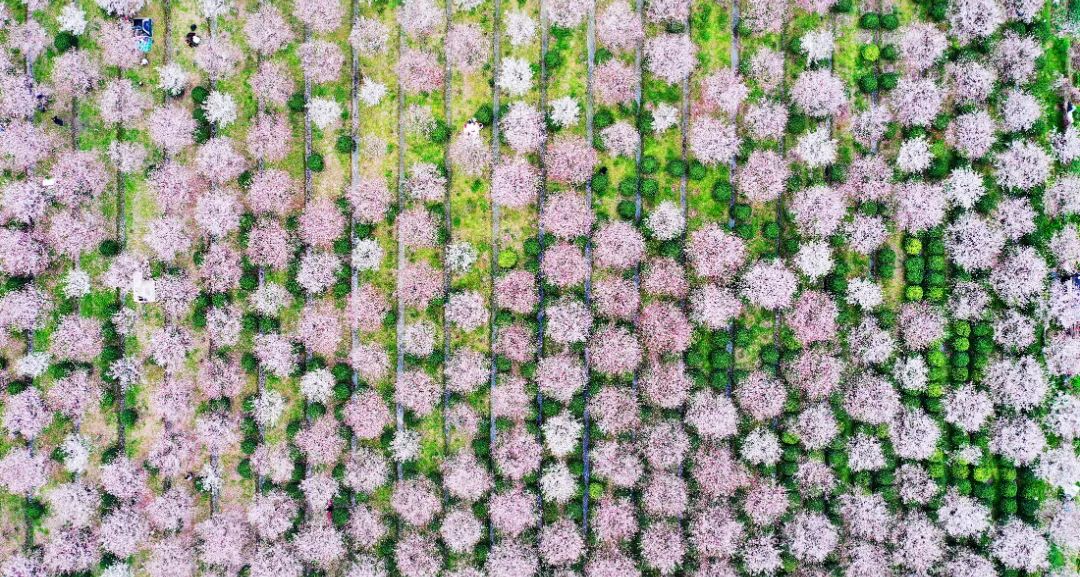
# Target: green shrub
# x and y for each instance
(890, 52)
(938, 10)
(296, 102)
(440, 134)
(199, 94)
(485, 114)
(870, 53)
(603, 119)
(128, 417)
(771, 230)
(721, 191)
(507, 258)
(741, 213)
(649, 164)
(109, 247)
(912, 246)
(888, 80)
(532, 247)
(676, 168)
(870, 21)
(65, 41)
(649, 188)
(697, 171)
(345, 144)
(868, 82)
(890, 21)
(315, 162)
(202, 132)
(627, 210)
(553, 59)
(601, 183)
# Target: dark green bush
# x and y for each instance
(676, 168)
(601, 183)
(296, 102)
(721, 191)
(649, 164)
(440, 134)
(649, 188)
(109, 247)
(697, 171)
(199, 94)
(64, 41)
(485, 114)
(603, 119)
(868, 82)
(345, 144)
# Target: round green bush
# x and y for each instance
(939, 10)
(890, 52)
(507, 258)
(601, 183)
(649, 188)
(741, 213)
(890, 21)
(485, 114)
(771, 230)
(870, 21)
(797, 124)
(603, 119)
(912, 246)
(65, 41)
(676, 168)
(315, 162)
(199, 94)
(553, 59)
(440, 134)
(345, 144)
(34, 509)
(128, 417)
(532, 247)
(202, 132)
(697, 171)
(649, 164)
(296, 102)
(627, 210)
(888, 80)
(870, 52)
(721, 191)
(868, 82)
(109, 247)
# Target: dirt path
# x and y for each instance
(496, 50)
(590, 43)
(400, 325)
